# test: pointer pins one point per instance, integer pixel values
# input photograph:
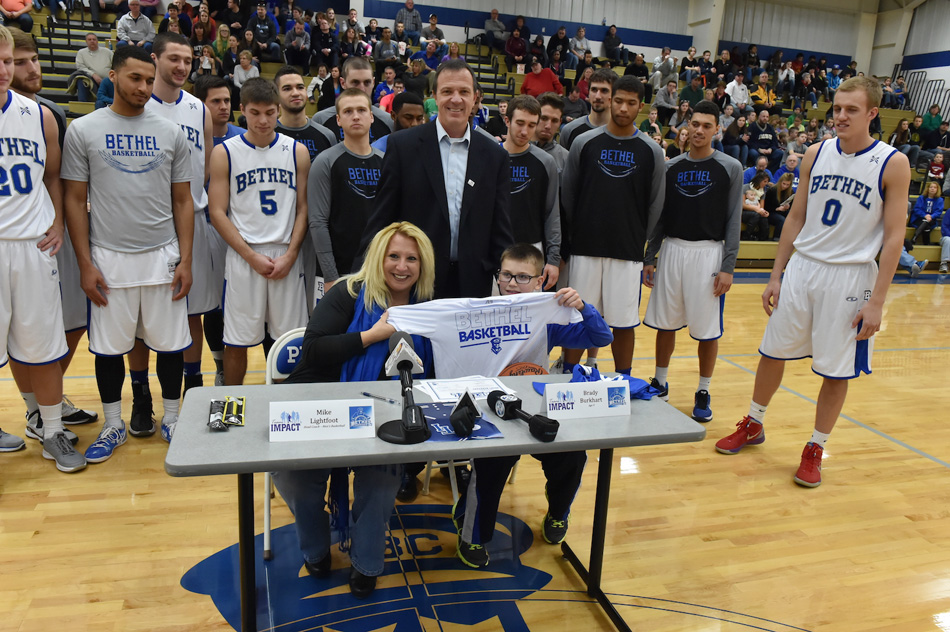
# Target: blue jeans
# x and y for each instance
(907, 261)
(147, 45)
(82, 92)
(413, 37)
(374, 496)
(687, 75)
(571, 61)
(739, 152)
(811, 96)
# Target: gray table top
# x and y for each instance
(197, 451)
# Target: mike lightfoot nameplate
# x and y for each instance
(321, 420)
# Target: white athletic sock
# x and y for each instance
(112, 415)
(30, 400)
(217, 355)
(757, 412)
(660, 374)
(704, 383)
(170, 415)
(820, 438)
(52, 419)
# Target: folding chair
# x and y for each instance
(281, 361)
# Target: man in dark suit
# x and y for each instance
(454, 184)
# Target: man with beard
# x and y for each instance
(27, 81)
(552, 109)
(600, 84)
(172, 54)
(134, 259)
(607, 240)
(408, 111)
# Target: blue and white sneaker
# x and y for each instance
(168, 429)
(102, 448)
(664, 389)
(702, 412)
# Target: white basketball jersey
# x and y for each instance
(189, 113)
(263, 202)
(845, 218)
(26, 209)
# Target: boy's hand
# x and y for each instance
(568, 297)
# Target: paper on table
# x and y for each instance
(450, 390)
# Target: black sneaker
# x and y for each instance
(34, 428)
(473, 555)
(191, 381)
(361, 586)
(553, 531)
(701, 407)
(409, 488)
(73, 416)
(142, 422)
(321, 569)
(664, 389)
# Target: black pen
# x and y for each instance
(379, 397)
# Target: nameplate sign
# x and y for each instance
(579, 400)
(322, 420)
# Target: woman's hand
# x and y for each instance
(382, 330)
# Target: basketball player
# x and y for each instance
(215, 93)
(134, 259)
(552, 113)
(173, 54)
(258, 202)
(356, 73)
(31, 232)
(27, 81)
(535, 210)
(599, 96)
(608, 165)
(342, 188)
(699, 230)
(852, 201)
(408, 112)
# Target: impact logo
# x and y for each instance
(563, 400)
(289, 422)
(361, 416)
(693, 183)
(616, 396)
(617, 163)
(493, 326)
(119, 146)
(423, 584)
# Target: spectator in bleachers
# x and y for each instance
(693, 91)
(386, 53)
(230, 60)
(805, 91)
(432, 33)
(316, 84)
(17, 13)
(752, 63)
(706, 69)
(233, 16)
(372, 34)
(943, 141)
(205, 19)
(454, 53)
(206, 65)
(330, 89)
(579, 43)
(559, 41)
(690, 67)
(495, 33)
(106, 93)
(790, 166)
(763, 97)
(522, 27)
(174, 21)
(763, 141)
(516, 50)
(540, 80)
(785, 81)
(827, 130)
(352, 22)
(639, 70)
(926, 213)
(297, 47)
(932, 119)
(95, 62)
(199, 39)
(417, 80)
(614, 47)
(777, 202)
(900, 90)
(721, 98)
(583, 84)
(667, 101)
(220, 44)
(917, 138)
(797, 146)
(819, 79)
(650, 124)
(402, 40)
(559, 68)
(183, 16)
(664, 69)
(739, 95)
(351, 45)
(411, 20)
(587, 61)
(889, 99)
(245, 70)
(724, 69)
(574, 106)
(834, 80)
(798, 64)
(386, 86)
(680, 145)
(386, 101)
(680, 119)
(537, 49)
(726, 118)
(776, 62)
(326, 49)
(247, 44)
(496, 125)
(331, 20)
(134, 29)
(429, 55)
(754, 215)
(265, 34)
(296, 13)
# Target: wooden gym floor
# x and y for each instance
(697, 541)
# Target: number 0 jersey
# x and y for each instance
(844, 222)
(26, 209)
(263, 183)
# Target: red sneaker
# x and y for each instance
(809, 472)
(748, 432)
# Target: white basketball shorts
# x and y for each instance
(610, 285)
(74, 299)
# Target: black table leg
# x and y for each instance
(246, 551)
(598, 536)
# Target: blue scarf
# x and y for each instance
(365, 367)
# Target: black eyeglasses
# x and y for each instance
(520, 279)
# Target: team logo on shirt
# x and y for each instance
(693, 183)
(119, 146)
(11, 147)
(520, 179)
(617, 163)
(25, 111)
(493, 326)
(362, 181)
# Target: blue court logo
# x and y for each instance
(361, 416)
(616, 396)
(422, 581)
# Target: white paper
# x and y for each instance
(451, 390)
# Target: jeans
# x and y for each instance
(907, 261)
(374, 496)
(775, 158)
(739, 152)
(413, 37)
(811, 96)
(777, 220)
(147, 45)
(498, 43)
(621, 56)
(571, 61)
(945, 248)
(83, 93)
(687, 75)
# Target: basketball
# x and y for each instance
(523, 368)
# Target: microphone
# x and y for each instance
(403, 361)
(509, 407)
(402, 356)
(464, 414)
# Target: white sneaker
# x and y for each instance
(34, 428)
(73, 416)
(219, 378)
(944, 267)
(591, 362)
(168, 429)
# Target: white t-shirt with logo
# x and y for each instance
(482, 336)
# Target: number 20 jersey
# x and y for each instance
(263, 182)
(845, 219)
(26, 210)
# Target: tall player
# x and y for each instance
(31, 231)
(599, 96)
(134, 259)
(612, 191)
(699, 231)
(852, 201)
(27, 81)
(356, 73)
(173, 54)
(258, 203)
